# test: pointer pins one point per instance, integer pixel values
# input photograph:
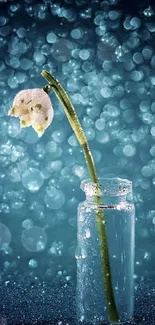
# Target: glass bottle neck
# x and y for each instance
(109, 191)
(110, 200)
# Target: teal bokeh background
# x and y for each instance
(103, 54)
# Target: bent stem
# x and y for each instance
(76, 126)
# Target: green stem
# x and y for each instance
(76, 126)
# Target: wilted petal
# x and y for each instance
(39, 129)
(22, 103)
(11, 111)
(25, 120)
(34, 108)
(17, 111)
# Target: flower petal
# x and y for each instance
(25, 120)
(38, 128)
(34, 108)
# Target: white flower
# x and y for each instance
(34, 108)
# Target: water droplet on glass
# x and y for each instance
(80, 253)
(87, 234)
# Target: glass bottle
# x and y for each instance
(119, 220)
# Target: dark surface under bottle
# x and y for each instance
(28, 305)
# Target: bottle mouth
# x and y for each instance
(107, 186)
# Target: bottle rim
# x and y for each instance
(113, 186)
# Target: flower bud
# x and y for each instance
(34, 108)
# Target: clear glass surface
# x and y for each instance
(119, 218)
